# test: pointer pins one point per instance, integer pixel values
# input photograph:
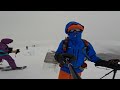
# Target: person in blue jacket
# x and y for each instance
(75, 46)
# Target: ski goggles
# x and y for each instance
(75, 30)
(80, 27)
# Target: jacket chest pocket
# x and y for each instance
(74, 51)
(70, 50)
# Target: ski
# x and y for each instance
(10, 69)
(4, 67)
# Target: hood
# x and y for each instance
(6, 40)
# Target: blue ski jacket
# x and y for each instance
(76, 48)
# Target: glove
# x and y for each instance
(64, 58)
(10, 50)
(17, 51)
(102, 63)
(113, 63)
(59, 58)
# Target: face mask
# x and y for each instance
(75, 35)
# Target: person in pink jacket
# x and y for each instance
(5, 50)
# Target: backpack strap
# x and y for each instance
(85, 49)
(65, 44)
(86, 43)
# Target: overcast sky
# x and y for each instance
(49, 25)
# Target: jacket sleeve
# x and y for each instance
(60, 48)
(58, 52)
(92, 54)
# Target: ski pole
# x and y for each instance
(72, 70)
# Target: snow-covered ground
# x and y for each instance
(33, 58)
(37, 69)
